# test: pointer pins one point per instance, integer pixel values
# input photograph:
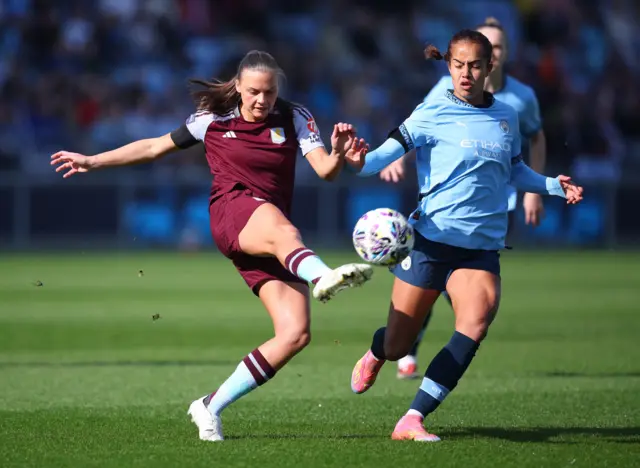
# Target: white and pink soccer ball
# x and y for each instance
(383, 237)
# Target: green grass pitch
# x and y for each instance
(88, 378)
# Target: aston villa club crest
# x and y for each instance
(504, 126)
(277, 135)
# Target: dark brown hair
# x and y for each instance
(221, 97)
(432, 53)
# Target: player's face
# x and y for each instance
(468, 70)
(258, 90)
(499, 43)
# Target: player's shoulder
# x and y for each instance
(288, 108)
(437, 98)
(504, 111)
(440, 88)
(523, 90)
(202, 116)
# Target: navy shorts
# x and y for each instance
(430, 264)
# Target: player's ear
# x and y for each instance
(237, 83)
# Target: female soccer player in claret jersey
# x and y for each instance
(251, 139)
(522, 98)
(468, 151)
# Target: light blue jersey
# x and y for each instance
(466, 157)
(519, 96)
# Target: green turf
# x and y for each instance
(87, 378)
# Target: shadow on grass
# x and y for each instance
(598, 375)
(308, 437)
(177, 363)
(623, 435)
(547, 434)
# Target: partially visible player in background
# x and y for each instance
(468, 150)
(251, 140)
(522, 98)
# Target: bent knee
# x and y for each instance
(476, 328)
(396, 351)
(295, 339)
(285, 233)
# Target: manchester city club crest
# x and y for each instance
(504, 126)
(277, 135)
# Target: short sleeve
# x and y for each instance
(418, 129)
(193, 130)
(531, 122)
(198, 123)
(307, 131)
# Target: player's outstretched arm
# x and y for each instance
(375, 161)
(140, 151)
(344, 143)
(527, 180)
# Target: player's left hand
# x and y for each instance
(572, 191)
(356, 155)
(533, 209)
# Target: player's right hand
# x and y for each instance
(71, 162)
(572, 191)
(394, 172)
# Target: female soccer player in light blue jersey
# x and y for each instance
(468, 150)
(522, 98)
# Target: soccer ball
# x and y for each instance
(383, 237)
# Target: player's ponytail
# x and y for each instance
(221, 97)
(431, 52)
(218, 97)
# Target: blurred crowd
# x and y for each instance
(92, 75)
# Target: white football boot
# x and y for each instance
(209, 426)
(343, 277)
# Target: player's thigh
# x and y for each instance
(419, 280)
(288, 305)
(475, 297)
(265, 227)
(409, 307)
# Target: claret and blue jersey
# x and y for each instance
(466, 158)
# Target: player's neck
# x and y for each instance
(248, 116)
(494, 82)
(476, 101)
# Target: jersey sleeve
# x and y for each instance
(193, 130)
(418, 129)
(307, 131)
(523, 177)
(530, 121)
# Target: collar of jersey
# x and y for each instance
(489, 100)
(237, 113)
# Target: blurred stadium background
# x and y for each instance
(108, 329)
(90, 76)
